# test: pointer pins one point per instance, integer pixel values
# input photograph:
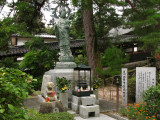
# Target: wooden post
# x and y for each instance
(117, 98)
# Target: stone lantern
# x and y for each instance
(82, 81)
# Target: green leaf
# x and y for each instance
(3, 99)
(11, 107)
(2, 110)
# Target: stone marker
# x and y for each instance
(124, 73)
(50, 107)
(145, 77)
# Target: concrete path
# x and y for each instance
(101, 117)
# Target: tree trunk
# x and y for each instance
(90, 35)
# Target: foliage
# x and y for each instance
(63, 84)
(29, 14)
(38, 62)
(144, 17)
(131, 89)
(40, 58)
(81, 59)
(37, 84)
(97, 83)
(14, 88)
(50, 30)
(53, 116)
(113, 59)
(8, 63)
(7, 28)
(35, 43)
(152, 99)
(136, 112)
(77, 30)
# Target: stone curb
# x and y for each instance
(116, 116)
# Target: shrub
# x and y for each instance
(38, 60)
(63, 84)
(14, 88)
(97, 83)
(136, 112)
(152, 99)
(53, 116)
(131, 89)
(8, 62)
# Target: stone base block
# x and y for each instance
(76, 100)
(41, 99)
(75, 107)
(89, 100)
(86, 111)
(65, 65)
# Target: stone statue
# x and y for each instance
(50, 92)
(62, 28)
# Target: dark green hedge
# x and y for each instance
(53, 116)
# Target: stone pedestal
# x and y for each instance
(62, 69)
(63, 97)
(87, 111)
(50, 107)
(85, 106)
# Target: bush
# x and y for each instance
(63, 84)
(131, 89)
(136, 112)
(53, 116)
(38, 60)
(8, 62)
(14, 88)
(152, 99)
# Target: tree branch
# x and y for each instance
(129, 2)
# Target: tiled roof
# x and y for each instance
(45, 36)
(38, 35)
(20, 50)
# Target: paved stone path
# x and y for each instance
(104, 106)
(101, 117)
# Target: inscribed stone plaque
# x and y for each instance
(145, 77)
(124, 73)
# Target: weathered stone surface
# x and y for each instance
(46, 79)
(76, 100)
(54, 73)
(59, 106)
(50, 107)
(63, 97)
(95, 94)
(41, 99)
(75, 107)
(85, 110)
(62, 35)
(89, 100)
(65, 65)
(145, 77)
(124, 76)
(46, 107)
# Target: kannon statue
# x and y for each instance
(62, 29)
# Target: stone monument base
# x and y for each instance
(65, 65)
(50, 107)
(62, 69)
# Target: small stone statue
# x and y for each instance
(62, 29)
(50, 92)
